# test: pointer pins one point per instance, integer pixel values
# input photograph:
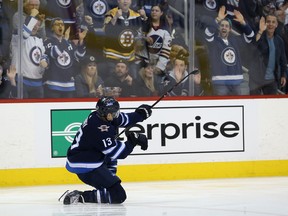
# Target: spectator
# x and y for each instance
(204, 8)
(267, 7)
(158, 40)
(178, 72)
(9, 8)
(175, 50)
(248, 8)
(122, 28)
(147, 5)
(65, 10)
(282, 28)
(34, 59)
(146, 82)
(88, 83)
(90, 15)
(175, 31)
(28, 5)
(178, 9)
(122, 79)
(272, 73)
(94, 11)
(6, 9)
(63, 58)
(8, 88)
(226, 65)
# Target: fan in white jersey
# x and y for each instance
(158, 40)
(33, 57)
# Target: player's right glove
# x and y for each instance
(144, 110)
(137, 139)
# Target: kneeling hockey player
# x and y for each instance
(94, 152)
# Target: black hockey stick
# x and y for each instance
(165, 94)
(171, 89)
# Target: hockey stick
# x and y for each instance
(171, 89)
(164, 95)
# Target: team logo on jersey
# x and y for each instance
(157, 44)
(234, 3)
(210, 5)
(229, 56)
(104, 128)
(35, 55)
(64, 3)
(126, 39)
(64, 60)
(165, 82)
(98, 7)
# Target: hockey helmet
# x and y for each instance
(106, 105)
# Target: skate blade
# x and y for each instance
(63, 195)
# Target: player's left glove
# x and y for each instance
(137, 139)
(144, 110)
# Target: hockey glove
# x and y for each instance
(144, 110)
(137, 139)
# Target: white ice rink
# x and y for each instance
(221, 197)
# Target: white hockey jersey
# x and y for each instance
(33, 52)
(159, 51)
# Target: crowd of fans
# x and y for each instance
(136, 48)
(246, 54)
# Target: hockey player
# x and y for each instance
(94, 152)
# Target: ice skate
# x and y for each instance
(73, 197)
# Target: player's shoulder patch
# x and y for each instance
(104, 128)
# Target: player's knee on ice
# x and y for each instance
(114, 195)
(117, 193)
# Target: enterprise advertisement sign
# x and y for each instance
(170, 130)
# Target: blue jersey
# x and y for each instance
(97, 10)
(63, 57)
(58, 8)
(95, 142)
(226, 64)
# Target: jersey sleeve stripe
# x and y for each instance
(125, 119)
